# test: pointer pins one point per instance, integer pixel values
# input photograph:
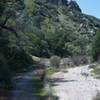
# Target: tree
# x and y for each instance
(8, 59)
(96, 46)
(8, 10)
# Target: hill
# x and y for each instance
(57, 28)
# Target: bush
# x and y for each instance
(96, 47)
(55, 61)
(67, 62)
(78, 60)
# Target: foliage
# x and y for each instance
(96, 46)
(72, 49)
(47, 30)
(96, 70)
(55, 61)
(49, 72)
(13, 58)
(29, 6)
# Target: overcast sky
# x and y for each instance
(91, 7)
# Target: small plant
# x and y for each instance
(96, 46)
(96, 71)
(55, 61)
(49, 72)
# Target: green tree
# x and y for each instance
(96, 46)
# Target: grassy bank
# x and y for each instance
(96, 70)
(43, 89)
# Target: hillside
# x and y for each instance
(55, 27)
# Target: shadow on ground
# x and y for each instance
(57, 81)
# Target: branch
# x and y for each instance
(9, 28)
(6, 19)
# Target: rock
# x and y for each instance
(74, 6)
(37, 59)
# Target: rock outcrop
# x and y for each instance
(72, 5)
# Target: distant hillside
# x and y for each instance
(57, 28)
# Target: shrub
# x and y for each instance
(78, 60)
(96, 47)
(55, 61)
(67, 62)
(30, 6)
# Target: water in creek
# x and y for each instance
(24, 88)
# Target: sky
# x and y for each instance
(91, 7)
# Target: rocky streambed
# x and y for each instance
(75, 84)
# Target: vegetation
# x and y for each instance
(96, 70)
(55, 61)
(13, 58)
(96, 46)
(42, 87)
(49, 72)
